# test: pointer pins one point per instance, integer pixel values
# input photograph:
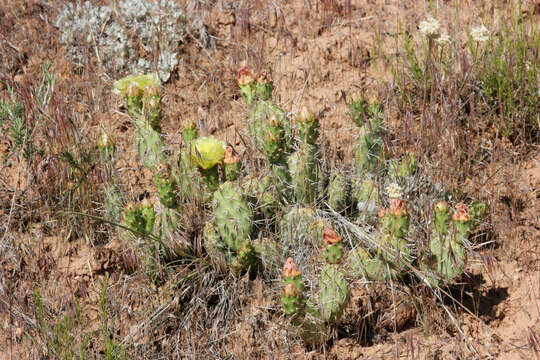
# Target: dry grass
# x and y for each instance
(70, 289)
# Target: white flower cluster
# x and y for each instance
(114, 33)
(480, 33)
(443, 39)
(394, 191)
(430, 27)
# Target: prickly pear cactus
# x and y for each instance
(339, 190)
(365, 195)
(259, 119)
(234, 219)
(140, 217)
(362, 264)
(300, 227)
(261, 195)
(333, 292)
(395, 227)
(308, 127)
(315, 318)
(447, 240)
(166, 186)
(306, 174)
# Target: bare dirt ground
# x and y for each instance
(318, 52)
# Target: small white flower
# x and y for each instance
(480, 33)
(443, 39)
(430, 27)
(394, 191)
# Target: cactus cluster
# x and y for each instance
(315, 317)
(252, 221)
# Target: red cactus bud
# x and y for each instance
(382, 213)
(398, 208)
(289, 290)
(230, 156)
(290, 269)
(264, 77)
(462, 213)
(330, 236)
(245, 76)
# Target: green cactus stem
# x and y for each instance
(140, 217)
(395, 226)
(361, 110)
(274, 141)
(259, 118)
(406, 167)
(339, 191)
(189, 131)
(308, 127)
(446, 242)
(365, 195)
(306, 174)
(301, 226)
(264, 86)
(333, 293)
(233, 217)
(152, 106)
(368, 151)
(166, 186)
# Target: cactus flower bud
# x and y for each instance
(442, 217)
(382, 213)
(398, 208)
(441, 206)
(245, 76)
(231, 164)
(332, 250)
(462, 213)
(290, 270)
(330, 236)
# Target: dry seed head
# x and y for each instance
(245, 76)
(330, 236)
(398, 208)
(290, 269)
(462, 213)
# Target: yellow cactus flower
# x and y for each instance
(139, 81)
(206, 152)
